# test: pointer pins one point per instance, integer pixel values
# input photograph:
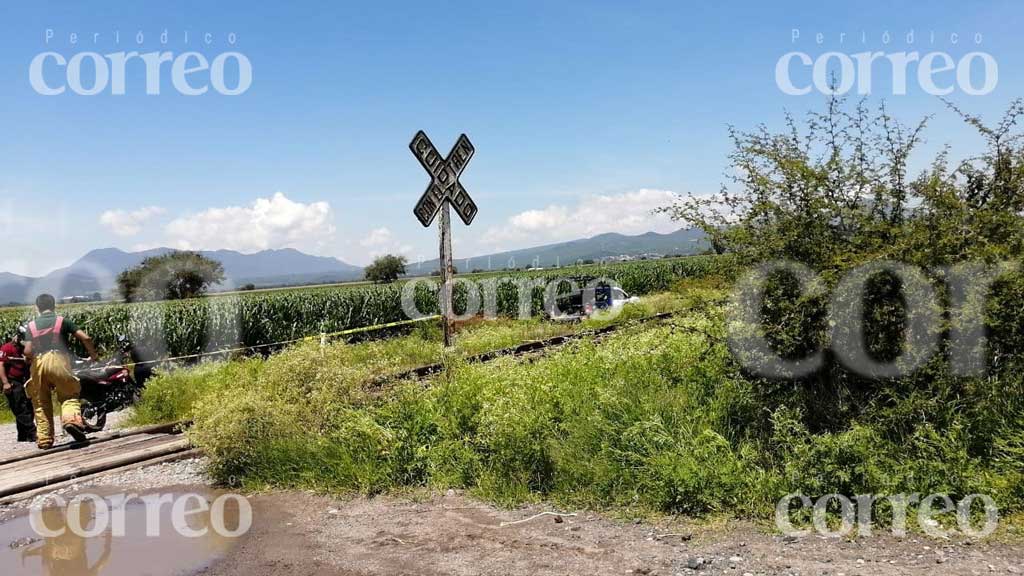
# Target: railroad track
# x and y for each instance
(535, 346)
(30, 474)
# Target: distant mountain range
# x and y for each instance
(96, 272)
(601, 247)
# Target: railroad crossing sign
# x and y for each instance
(444, 190)
(444, 178)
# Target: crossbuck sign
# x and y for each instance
(443, 191)
(444, 178)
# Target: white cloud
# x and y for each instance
(546, 219)
(376, 237)
(275, 222)
(381, 241)
(129, 223)
(626, 213)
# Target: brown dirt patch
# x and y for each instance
(298, 533)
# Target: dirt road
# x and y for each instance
(298, 534)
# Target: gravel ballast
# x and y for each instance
(9, 445)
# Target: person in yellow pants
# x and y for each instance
(48, 348)
(51, 373)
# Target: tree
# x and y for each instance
(386, 269)
(172, 276)
(835, 192)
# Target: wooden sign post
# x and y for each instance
(444, 191)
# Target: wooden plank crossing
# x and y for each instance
(98, 438)
(48, 468)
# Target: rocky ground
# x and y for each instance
(9, 445)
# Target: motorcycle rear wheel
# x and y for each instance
(95, 417)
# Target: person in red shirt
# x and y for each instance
(13, 373)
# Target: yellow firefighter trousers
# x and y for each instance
(51, 372)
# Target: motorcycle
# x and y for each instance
(111, 385)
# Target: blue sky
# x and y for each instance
(584, 115)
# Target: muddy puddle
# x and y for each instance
(122, 533)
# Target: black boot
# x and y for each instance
(75, 431)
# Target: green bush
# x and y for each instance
(171, 396)
(650, 418)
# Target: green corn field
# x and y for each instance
(218, 322)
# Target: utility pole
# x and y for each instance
(444, 229)
(444, 191)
